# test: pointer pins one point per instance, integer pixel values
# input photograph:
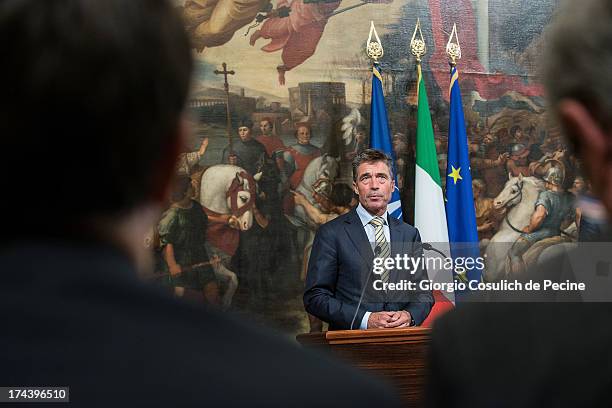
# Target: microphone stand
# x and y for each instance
(377, 251)
(427, 246)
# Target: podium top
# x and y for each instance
(397, 336)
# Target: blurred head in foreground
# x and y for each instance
(91, 116)
(579, 84)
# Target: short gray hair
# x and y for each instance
(372, 156)
(579, 56)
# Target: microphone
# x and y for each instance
(377, 252)
(427, 246)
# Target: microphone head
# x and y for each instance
(377, 250)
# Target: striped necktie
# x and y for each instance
(381, 242)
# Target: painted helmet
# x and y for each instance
(554, 176)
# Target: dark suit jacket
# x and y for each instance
(341, 264)
(77, 315)
(526, 350)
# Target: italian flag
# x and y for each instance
(429, 212)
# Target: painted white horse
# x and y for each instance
(226, 189)
(215, 195)
(320, 175)
(518, 198)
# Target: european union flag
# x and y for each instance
(380, 137)
(460, 213)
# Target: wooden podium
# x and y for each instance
(398, 355)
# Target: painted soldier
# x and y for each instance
(273, 144)
(246, 151)
(182, 235)
(554, 211)
(298, 156)
(295, 160)
(519, 160)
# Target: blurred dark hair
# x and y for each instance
(93, 92)
(371, 156)
(577, 57)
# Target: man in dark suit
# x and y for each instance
(552, 348)
(341, 263)
(111, 78)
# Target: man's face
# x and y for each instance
(266, 127)
(488, 139)
(374, 186)
(579, 185)
(303, 135)
(244, 133)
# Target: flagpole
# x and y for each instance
(380, 135)
(374, 49)
(461, 217)
(418, 49)
(429, 209)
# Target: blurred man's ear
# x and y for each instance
(591, 142)
(165, 171)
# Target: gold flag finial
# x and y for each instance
(374, 49)
(417, 45)
(453, 50)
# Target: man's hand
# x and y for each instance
(233, 222)
(298, 197)
(379, 320)
(203, 147)
(399, 319)
(175, 269)
(502, 158)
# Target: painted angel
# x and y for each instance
(212, 23)
(297, 34)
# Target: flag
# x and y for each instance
(460, 213)
(380, 137)
(429, 212)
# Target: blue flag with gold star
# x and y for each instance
(380, 137)
(460, 213)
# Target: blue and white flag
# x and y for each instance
(380, 137)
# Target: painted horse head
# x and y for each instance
(515, 189)
(228, 189)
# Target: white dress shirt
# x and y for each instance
(365, 218)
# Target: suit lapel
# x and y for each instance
(358, 237)
(397, 243)
(395, 234)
